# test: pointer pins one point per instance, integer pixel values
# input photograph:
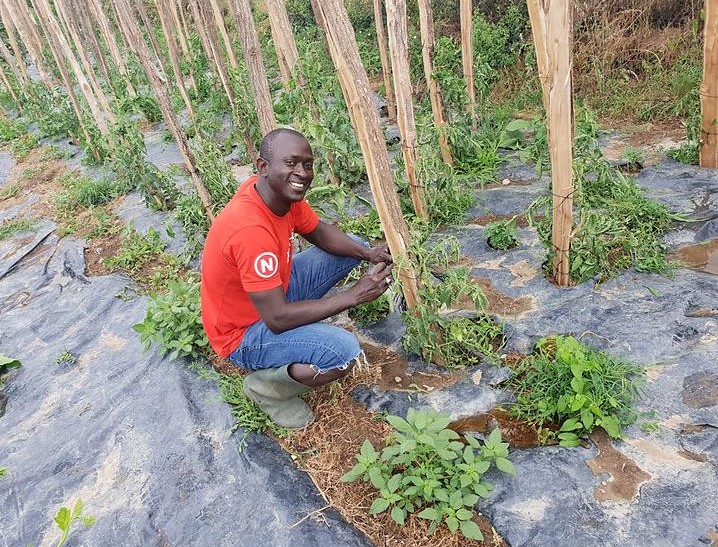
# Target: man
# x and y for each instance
(261, 308)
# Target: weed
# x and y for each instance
(425, 467)
(10, 191)
(576, 387)
(6, 365)
(502, 234)
(135, 250)
(371, 312)
(65, 358)
(173, 321)
(83, 192)
(65, 518)
(3, 471)
(9, 228)
(632, 155)
(20, 148)
(652, 428)
(216, 173)
(11, 129)
(367, 226)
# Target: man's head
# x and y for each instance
(285, 166)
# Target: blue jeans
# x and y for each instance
(324, 347)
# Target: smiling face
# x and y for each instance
(288, 172)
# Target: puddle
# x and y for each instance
(626, 478)
(518, 434)
(700, 390)
(702, 256)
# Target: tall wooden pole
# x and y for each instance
(399, 49)
(426, 24)
(142, 10)
(200, 11)
(219, 23)
(80, 8)
(709, 88)
(385, 65)
(467, 58)
(551, 22)
(345, 54)
(24, 22)
(242, 13)
(156, 83)
(10, 90)
(17, 66)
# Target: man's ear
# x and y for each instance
(262, 166)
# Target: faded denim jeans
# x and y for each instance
(320, 345)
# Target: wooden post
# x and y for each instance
(244, 21)
(88, 31)
(167, 30)
(201, 29)
(200, 12)
(467, 58)
(345, 54)
(219, 22)
(151, 35)
(426, 24)
(24, 22)
(551, 22)
(105, 27)
(709, 88)
(181, 35)
(385, 65)
(17, 65)
(140, 47)
(283, 37)
(399, 50)
(8, 85)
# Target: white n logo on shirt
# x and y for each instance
(266, 264)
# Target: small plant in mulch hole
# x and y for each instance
(567, 383)
(65, 359)
(65, 518)
(426, 469)
(502, 235)
(371, 312)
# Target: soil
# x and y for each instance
(499, 303)
(517, 433)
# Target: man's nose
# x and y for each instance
(300, 171)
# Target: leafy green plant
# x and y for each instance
(135, 250)
(65, 518)
(426, 469)
(6, 365)
(173, 321)
(576, 388)
(20, 147)
(79, 192)
(11, 129)
(371, 312)
(502, 234)
(65, 358)
(3, 471)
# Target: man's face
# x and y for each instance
(290, 170)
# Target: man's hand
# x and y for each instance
(373, 283)
(379, 254)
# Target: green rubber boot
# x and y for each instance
(277, 394)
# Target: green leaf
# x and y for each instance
(505, 465)
(569, 439)
(398, 515)
(587, 419)
(612, 426)
(7, 363)
(77, 511)
(441, 494)
(494, 437)
(470, 500)
(376, 478)
(456, 500)
(88, 521)
(62, 518)
(463, 514)
(353, 474)
(399, 424)
(570, 425)
(430, 513)
(452, 523)
(471, 530)
(367, 450)
(393, 483)
(379, 506)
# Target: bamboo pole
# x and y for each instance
(385, 65)
(399, 51)
(467, 58)
(219, 22)
(10, 90)
(345, 54)
(25, 24)
(555, 19)
(80, 8)
(106, 30)
(145, 18)
(69, 23)
(244, 21)
(283, 37)
(426, 24)
(15, 61)
(174, 56)
(709, 88)
(138, 45)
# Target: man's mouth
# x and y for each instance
(297, 185)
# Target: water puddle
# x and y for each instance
(517, 433)
(700, 390)
(395, 375)
(626, 478)
(702, 256)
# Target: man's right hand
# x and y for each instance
(373, 283)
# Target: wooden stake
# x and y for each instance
(345, 54)
(181, 35)
(709, 88)
(24, 22)
(385, 64)
(80, 8)
(467, 59)
(283, 37)
(151, 35)
(167, 30)
(201, 12)
(426, 24)
(10, 90)
(201, 28)
(244, 21)
(399, 50)
(155, 79)
(16, 62)
(551, 22)
(219, 22)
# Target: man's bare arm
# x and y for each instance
(331, 239)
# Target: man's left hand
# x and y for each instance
(378, 254)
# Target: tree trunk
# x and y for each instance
(399, 50)
(709, 89)
(426, 24)
(551, 22)
(385, 65)
(345, 54)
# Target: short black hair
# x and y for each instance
(266, 147)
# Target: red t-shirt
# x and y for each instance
(248, 249)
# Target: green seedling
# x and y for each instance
(502, 234)
(65, 358)
(426, 469)
(65, 518)
(3, 471)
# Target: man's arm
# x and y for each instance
(331, 239)
(281, 315)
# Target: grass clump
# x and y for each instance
(84, 192)
(426, 469)
(576, 388)
(10, 191)
(21, 147)
(9, 228)
(136, 250)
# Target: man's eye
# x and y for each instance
(309, 166)
(291, 163)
